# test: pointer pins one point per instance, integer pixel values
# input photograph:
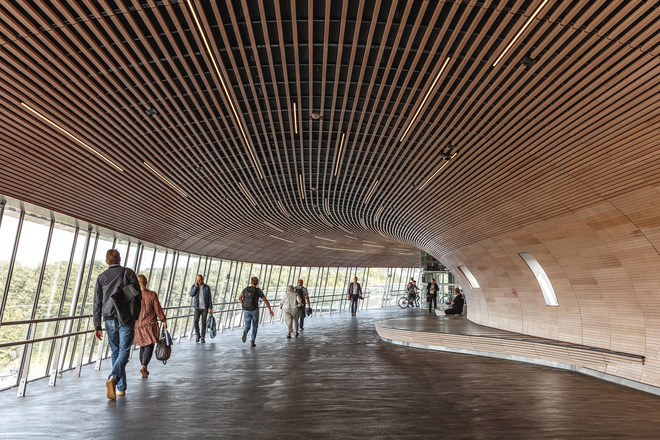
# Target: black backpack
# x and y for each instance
(250, 298)
(127, 301)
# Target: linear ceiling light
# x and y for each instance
(72, 136)
(165, 179)
(352, 238)
(341, 146)
(340, 249)
(222, 83)
(282, 209)
(372, 245)
(326, 239)
(326, 207)
(270, 225)
(306, 230)
(295, 118)
(428, 93)
(379, 212)
(406, 253)
(300, 187)
(371, 191)
(280, 238)
(520, 32)
(436, 173)
(247, 194)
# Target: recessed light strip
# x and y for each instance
(341, 249)
(224, 87)
(280, 238)
(520, 32)
(326, 207)
(165, 179)
(428, 93)
(341, 146)
(282, 209)
(352, 238)
(372, 245)
(247, 194)
(434, 174)
(326, 239)
(72, 136)
(371, 191)
(295, 118)
(270, 225)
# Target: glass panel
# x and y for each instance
(7, 237)
(145, 263)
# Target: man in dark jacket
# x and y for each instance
(456, 304)
(202, 303)
(432, 294)
(120, 337)
(354, 293)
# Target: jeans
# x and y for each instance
(251, 318)
(204, 313)
(354, 304)
(120, 350)
(146, 353)
(433, 299)
(303, 313)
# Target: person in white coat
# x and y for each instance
(289, 306)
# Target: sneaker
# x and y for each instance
(252, 344)
(203, 341)
(244, 335)
(111, 385)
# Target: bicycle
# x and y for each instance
(404, 302)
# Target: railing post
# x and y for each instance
(82, 350)
(25, 363)
(55, 364)
(99, 354)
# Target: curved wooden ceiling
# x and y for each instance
(326, 133)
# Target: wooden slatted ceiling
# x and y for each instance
(532, 140)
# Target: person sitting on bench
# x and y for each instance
(457, 304)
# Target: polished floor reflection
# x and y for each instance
(338, 380)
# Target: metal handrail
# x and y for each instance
(37, 321)
(49, 338)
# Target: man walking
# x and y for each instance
(202, 303)
(120, 337)
(354, 293)
(249, 299)
(432, 294)
(304, 295)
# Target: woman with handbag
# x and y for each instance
(289, 305)
(146, 327)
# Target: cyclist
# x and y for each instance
(412, 293)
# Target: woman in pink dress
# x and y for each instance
(146, 327)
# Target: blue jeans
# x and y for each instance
(120, 350)
(354, 304)
(251, 318)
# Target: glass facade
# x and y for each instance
(48, 268)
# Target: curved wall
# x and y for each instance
(604, 265)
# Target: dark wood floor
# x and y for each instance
(338, 380)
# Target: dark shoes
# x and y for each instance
(244, 335)
(301, 329)
(296, 334)
(288, 335)
(198, 338)
(203, 341)
(252, 344)
(111, 386)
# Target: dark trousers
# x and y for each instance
(302, 315)
(354, 303)
(433, 299)
(146, 353)
(204, 313)
(453, 312)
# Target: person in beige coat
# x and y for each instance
(146, 327)
(289, 306)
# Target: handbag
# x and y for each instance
(164, 347)
(213, 330)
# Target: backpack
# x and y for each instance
(127, 301)
(250, 298)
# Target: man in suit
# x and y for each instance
(354, 293)
(432, 294)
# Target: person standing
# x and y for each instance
(146, 327)
(354, 293)
(120, 337)
(432, 290)
(457, 304)
(289, 306)
(202, 303)
(304, 295)
(249, 299)
(412, 293)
